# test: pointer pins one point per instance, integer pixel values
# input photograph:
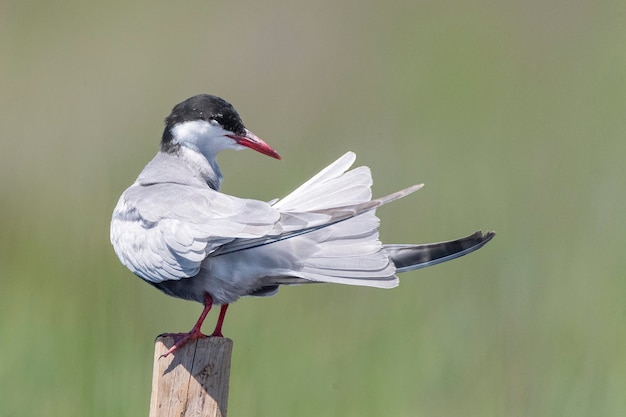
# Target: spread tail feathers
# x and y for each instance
(409, 257)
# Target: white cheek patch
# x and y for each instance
(194, 132)
(203, 137)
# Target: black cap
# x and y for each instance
(201, 107)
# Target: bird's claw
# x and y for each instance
(181, 339)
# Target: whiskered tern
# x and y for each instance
(175, 230)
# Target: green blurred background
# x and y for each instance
(512, 113)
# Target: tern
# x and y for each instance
(175, 230)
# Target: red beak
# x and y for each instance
(252, 141)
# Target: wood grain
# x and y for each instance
(192, 381)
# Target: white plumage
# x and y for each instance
(183, 229)
(174, 228)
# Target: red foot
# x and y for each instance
(181, 339)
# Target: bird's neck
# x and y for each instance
(205, 165)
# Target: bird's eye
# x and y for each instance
(214, 122)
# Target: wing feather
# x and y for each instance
(324, 231)
(294, 199)
(164, 231)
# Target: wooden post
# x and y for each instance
(192, 381)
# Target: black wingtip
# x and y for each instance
(410, 257)
(486, 236)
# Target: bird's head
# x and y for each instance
(209, 124)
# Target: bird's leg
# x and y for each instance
(181, 339)
(220, 321)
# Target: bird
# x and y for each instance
(175, 230)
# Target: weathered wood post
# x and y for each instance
(192, 381)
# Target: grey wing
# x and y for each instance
(325, 231)
(329, 197)
(164, 231)
(328, 232)
(300, 223)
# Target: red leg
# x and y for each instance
(220, 321)
(181, 339)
